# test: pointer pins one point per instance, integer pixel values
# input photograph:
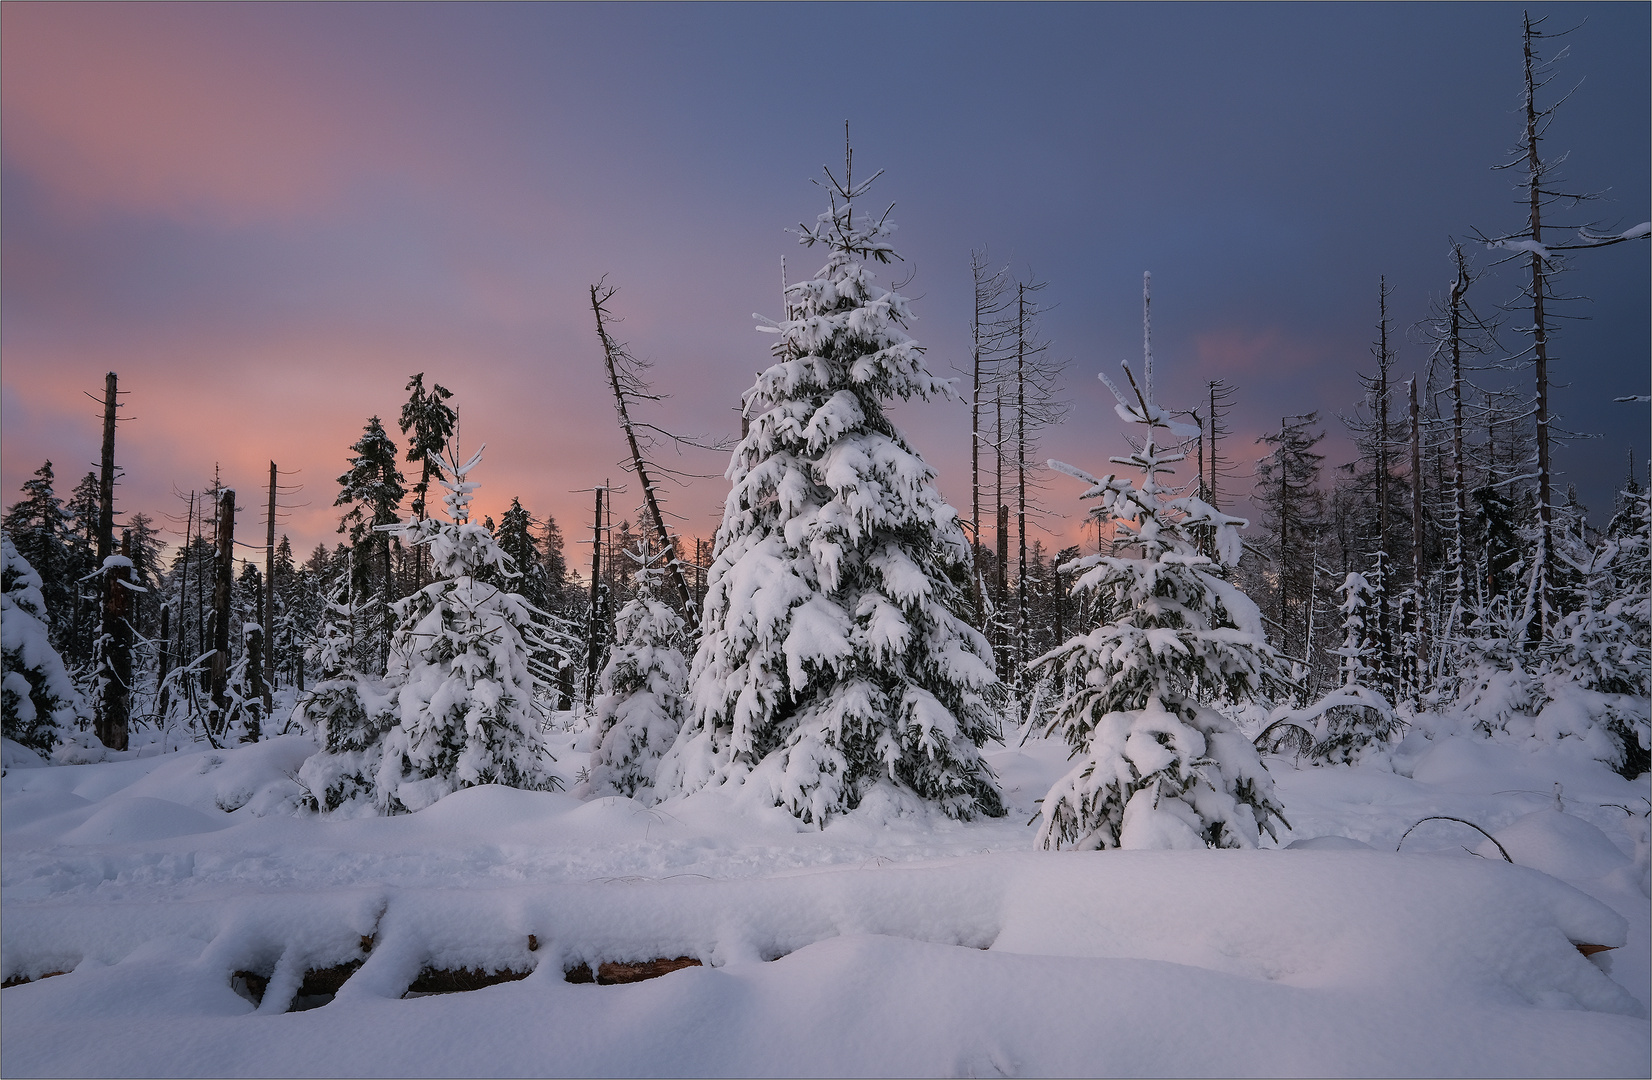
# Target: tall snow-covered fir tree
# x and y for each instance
(465, 705)
(40, 529)
(831, 662)
(372, 489)
(38, 701)
(642, 692)
(1154, 765)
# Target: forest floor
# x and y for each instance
(202, 929)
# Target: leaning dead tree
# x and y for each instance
(626, 379)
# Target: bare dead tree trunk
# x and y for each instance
(114, 648)
(201, 635)
(1000, 578)
(1459, 289)
(610, 352)
(115, 653)
(1210, 488)
(1416, 490)
(987, 338)
(1020, 485)
(593, 648)
(1417, 661)
(106, 478)
(975, 464)
(221, 590)
(1221, 400)
(163, 663)
(1540, 350)
(1385, 627)
(257, 690)
(267, 617)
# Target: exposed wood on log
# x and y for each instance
(610, 973)
(461, 980)
(19, 980)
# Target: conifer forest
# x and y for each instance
(1110, 724)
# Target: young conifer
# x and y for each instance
(465, 703)
(1354, 717)
(831, 662)
(1154, 765)
(642, 692)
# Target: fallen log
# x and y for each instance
(610, 973)
(19, 980)
(460, 980)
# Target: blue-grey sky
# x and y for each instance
(265, 217)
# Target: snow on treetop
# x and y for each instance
(837, 228)
(457, 499)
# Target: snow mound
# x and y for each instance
(28, 809)
(14, 755)
(492, 807)
(1328, 843)
(137, 818)
(1559, 844)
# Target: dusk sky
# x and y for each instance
(266, 217)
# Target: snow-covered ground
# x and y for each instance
(891, 943)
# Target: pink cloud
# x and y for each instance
(230, 113)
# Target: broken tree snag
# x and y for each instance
(461, 980)
(1589, 950)
(610, 973)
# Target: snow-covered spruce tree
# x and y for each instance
(1353, 718)
(1602, 648)
(1153, 765)
(465, 705)
(642, 691)
(38, 700)
(348, 711)
(1342, 726)
(831, 663)
(40, 529)
(372, 489)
